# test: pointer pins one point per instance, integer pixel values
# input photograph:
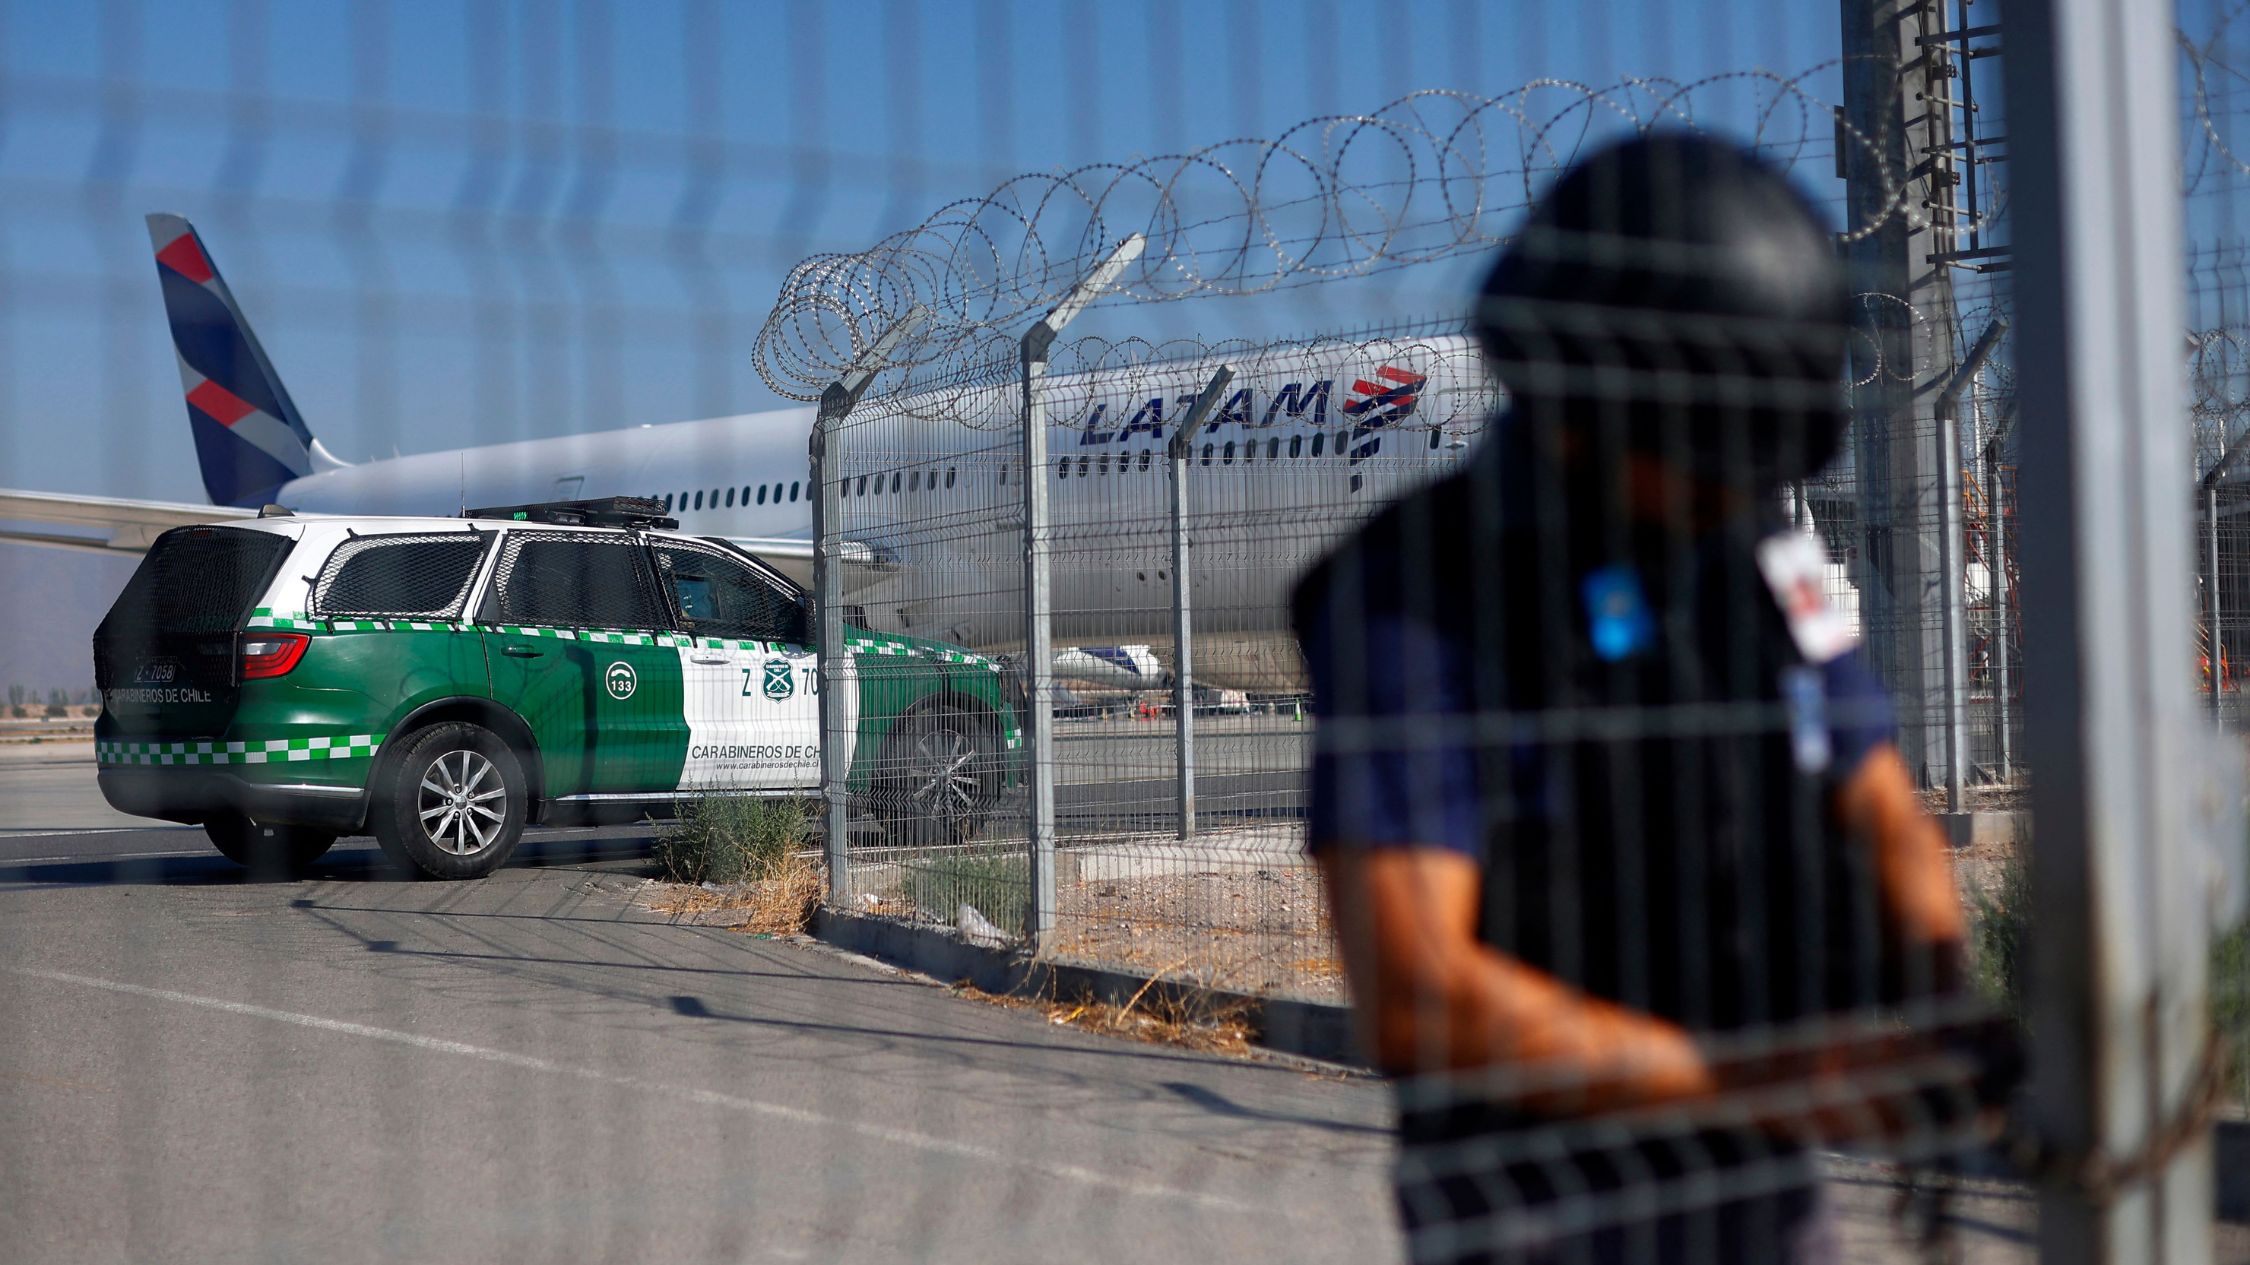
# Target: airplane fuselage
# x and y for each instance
(1302, 449)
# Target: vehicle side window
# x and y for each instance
(718, 596)
(419, 577)
(558, 580)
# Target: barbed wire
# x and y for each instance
(1430, 176)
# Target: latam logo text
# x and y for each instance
(1371, 405)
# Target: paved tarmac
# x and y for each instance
(350, 1068)
(353, 1067)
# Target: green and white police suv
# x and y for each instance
(442, 682)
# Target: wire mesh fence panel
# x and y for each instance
(1504, 549)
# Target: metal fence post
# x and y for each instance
(2209, 505)
(1038, 640)
(1183, 591)
(2119, 950)
(828, 622)
(1952, 612)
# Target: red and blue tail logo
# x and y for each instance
(248, 436)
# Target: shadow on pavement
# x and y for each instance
(351, 859)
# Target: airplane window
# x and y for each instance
(793, 486)
(667, 502)
(1206, 454)
(914, 482)
(862, 485)
(1273, 448)
(730, 498)
(1226, 455)
(1433, 439)
(1105, 463)
(949, 472)
(714, 498)
(1316, 440)
(1003, 476)
(1062, 468)
(895, 477)
(777, 494)
(761, 494)
(1296, 445)
(1146, 454)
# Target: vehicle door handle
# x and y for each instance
(712, 659)
(521, 652)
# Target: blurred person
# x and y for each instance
(1629, 878)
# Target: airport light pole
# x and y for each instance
(837, 671)
(1038, 597)
(1183, 622)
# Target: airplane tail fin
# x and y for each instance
(249, 438)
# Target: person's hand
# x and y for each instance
(1879, 1087)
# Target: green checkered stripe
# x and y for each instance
(721, 643)
(299, 621)
(595, 636)
(273, 751)
(873, 645)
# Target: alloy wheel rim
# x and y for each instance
(456, 802)
(945, 774)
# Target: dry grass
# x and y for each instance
(1160, 1013)
(780, 904)
(1246, 931)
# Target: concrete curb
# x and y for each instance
(1964, 830)
(1312, 1030)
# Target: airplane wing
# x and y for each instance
(99, 524)
(793, 557)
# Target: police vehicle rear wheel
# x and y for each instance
(939, 776)
(451, 802)
(267, 851)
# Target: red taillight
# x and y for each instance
(272, 654)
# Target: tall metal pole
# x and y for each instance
(2217, 648)
(1952, 607)
(837, 671)
(1996, 534)
(2119, 960)
(1183, 592)
(1897, 171)
(1038, 597)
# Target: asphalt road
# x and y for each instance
(196, 1067)
(351, 1067)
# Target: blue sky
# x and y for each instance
(463, 223)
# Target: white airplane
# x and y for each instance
(1314, 438)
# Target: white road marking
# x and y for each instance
(99, 857)
(703, 1097)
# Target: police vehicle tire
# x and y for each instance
(450, 802)
(939, 775)
(267, 851)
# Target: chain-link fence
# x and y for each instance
(1194, 584)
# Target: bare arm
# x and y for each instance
(1431, 997)
(1882, 812)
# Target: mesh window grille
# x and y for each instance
(575, 580)
(197, 580)
(426, 577)
(723, 598)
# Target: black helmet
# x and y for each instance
(1679, 286)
